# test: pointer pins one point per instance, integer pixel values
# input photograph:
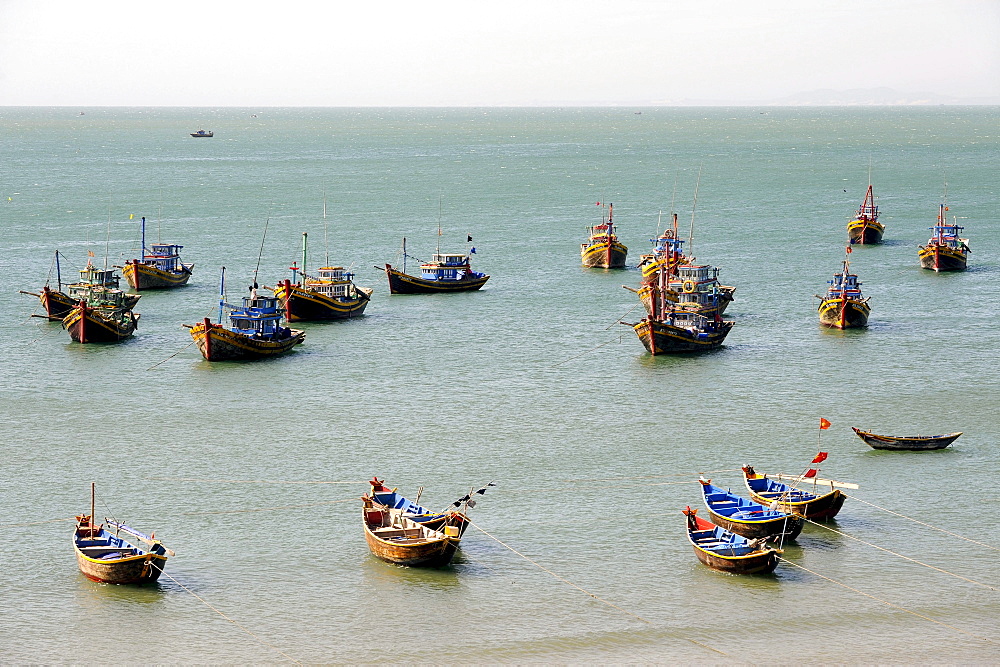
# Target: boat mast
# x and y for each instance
(693, 207)
(92, 494)
(222, 293)
(261, 253)
(305, 237)
(142, 235)
(107, 240)
(438, 250)
(58, 272)
(404, 254)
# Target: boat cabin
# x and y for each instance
(91, 275)
(451, 266)
(97, 296)
(259, 316)
(164, 256)
(697, 272)
(332, 281)
(947, 235)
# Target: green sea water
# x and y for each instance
(595, 445)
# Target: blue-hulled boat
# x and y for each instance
(747, 518)
(722, 550)
(104, 555)
(409, 509)
(255, 330)
(814, 506)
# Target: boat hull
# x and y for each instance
(141, 569)
(604, 255)
(763, 562)
(303, 305)
(217, 343)
(825, 506)
(844, 313)
(865, 232)
(942, 258)
(91, 325)
(914, 444)
(789, 525)
(143, 276)
(662, 338)
(57, 304)
(402, 283)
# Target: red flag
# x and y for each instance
(820, 457)
(810, 473)
(849, 250)
(824, 424)
(598, 203)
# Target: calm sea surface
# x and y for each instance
(594, 444)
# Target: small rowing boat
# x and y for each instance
(792, 500)
(394, 538)
(747, 518)
(409, 509)
(908, 443)
(722, 550)
(104, 555)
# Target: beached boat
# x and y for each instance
(603, 250)
(59, 303)
(908, 443)
(722, 550)
(446, 272)
(945, 251)
(104, 555)
(865, 227)
(202, 133)
(815, 504)
(255, 330)
(101, 316)
(394, 538)
(409, 509)
(843, 306)
(329, 295)
(160, 267)
(747, 518)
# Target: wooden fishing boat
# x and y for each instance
(58, 303)
(603, 250)
(811, 505)
(722, 550)
(409, 509)
(693, 287)
(330, 295)
(159, 268)
(843, 306)
(202, 133)
(747, 518)
(667, 255)
(945, 251)
(395, 538)
(446, 272)
(102, 316)
(681, 331)
(908, 443)
(104, 555)
(865, 227)
(255, 331)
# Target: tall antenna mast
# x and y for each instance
(438, 251)
(261, 253)
(693, 207)
(326, 233)
(107, 240)
(159, 211)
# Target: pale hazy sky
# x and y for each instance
(489, 52)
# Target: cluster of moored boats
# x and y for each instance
(684, 300)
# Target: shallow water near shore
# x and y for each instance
(595, 445)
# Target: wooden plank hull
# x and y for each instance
(217, 343)
(402, 283)
(402, 541)
(865, 232)
(763, 562)
(437, 553)
(912, 444)
(57, 304)
(92, 325)
(791, 526)
(942, 258)
(604, 255)
(825, 506)
(303, 305)
(143, 276)
(725, 551)
(141, 569)
(663, 338)
(844, 313)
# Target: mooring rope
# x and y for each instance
(268, 509)
(35, 523)
(618, 338)
(171, 356)
(628, 479)
(583, 590)
(241, 627)
(619, 320)
(908, 518)
(240, 481)
(886, 602)
(912, 560)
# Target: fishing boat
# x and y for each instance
(329, 295)
(394, 538)
(59, 303)
(202, 133)
(692, 287)
(945, 251)
(668, 254)
(255, 330)
(446, 272)
(603, 250)
(865, 227)
(747, 518)
(816, 504)
(681, 331)
(104, 555)
(843, 306)
(160, 267)
(722, 550)
(409, 509)
(908, 443)
(101, 316)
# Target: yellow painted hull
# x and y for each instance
(844, 315)
(942, 258)
(865, 232)
(217, 343)
(144, 276)
(302, 305)
(604, 255)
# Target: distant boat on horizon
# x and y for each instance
(203, 133)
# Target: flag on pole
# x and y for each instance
(810, 473)
(469, 240)
(90, 253)
(849, 250)
(823, 424)
(820, 457)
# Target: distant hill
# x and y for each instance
(855, 97)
